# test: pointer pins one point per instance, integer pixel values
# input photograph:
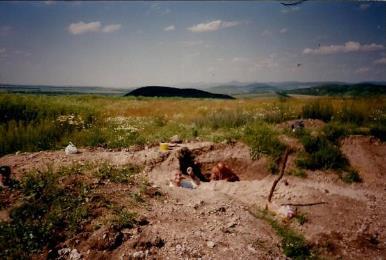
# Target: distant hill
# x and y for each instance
(160, 91)
(360, 89)
(254, 88)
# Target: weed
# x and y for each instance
(124, 219)
(334, 132)
(116, 174)
(298, 173)
(293, 244)
(351, 176)
(301, 218)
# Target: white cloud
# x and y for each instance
(212, 26)
(266, 33)
(111, 28)
(363, 70)
(350, 46)
(283, 30)
(169, 28)
(364, 6)
(381, 61)
(81, 27)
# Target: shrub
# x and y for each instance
(379, 131)
(263, 140)
(333, 132)
(320, 154)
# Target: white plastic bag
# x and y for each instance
(70, 149)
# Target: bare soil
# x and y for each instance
(214, 220)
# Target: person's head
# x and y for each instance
(177, 177)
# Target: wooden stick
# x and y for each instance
(280, 176)
(303, 204)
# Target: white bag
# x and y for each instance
(70, 149)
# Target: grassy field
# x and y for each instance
(39, 122)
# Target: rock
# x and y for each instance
(251, 248)
(74, 255)
(175, 139)
(67, 253)
(138, 255)
(210, 244)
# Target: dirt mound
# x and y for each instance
(368, 156)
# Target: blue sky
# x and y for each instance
(126, 44)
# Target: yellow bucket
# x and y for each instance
(164, 147)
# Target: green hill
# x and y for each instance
(361, 89)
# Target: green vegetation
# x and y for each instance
(294, 245)
(124, 219)
(112, 173)
(356, 90)
(48, 214)
(301, 218)
(263, 140)
(298, 173)
(38, 122)
(351, 176)
(54, 205)
(318, 110)
(320, 154)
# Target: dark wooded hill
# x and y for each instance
(160, 91)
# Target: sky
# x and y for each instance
(130, 44)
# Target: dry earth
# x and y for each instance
(214, 220)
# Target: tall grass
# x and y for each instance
(33, 122)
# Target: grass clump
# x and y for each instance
(294, 245)
(301, 218)
(298, 173)
(263, 140)
(320, 154)
(123, 219)
(317, 109)
(47, 215)
(351, 176)
(117, 174)
(334, 132)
